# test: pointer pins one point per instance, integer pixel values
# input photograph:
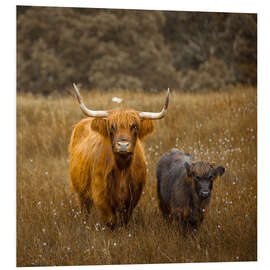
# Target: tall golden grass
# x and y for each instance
(219, 127)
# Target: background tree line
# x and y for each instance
(133, 49)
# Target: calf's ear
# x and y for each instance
(220, 171)
(100, 125)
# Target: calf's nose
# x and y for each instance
(204, 194)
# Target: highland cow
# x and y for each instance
(184, 187)
(107, 162)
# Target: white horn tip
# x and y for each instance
(77, 92)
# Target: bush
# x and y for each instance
(131, 49)
(211, 75)
(97, 47)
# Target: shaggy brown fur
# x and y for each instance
(102, 175)
(184, 187)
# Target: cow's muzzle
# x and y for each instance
(123, 147)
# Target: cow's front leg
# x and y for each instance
(108, 215)
(135, 194)
(102, 201)
(85, 204)
(106, 211)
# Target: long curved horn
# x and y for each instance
(155, 116)
(97, 114)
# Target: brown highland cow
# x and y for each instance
(184, 187)
(107, 162)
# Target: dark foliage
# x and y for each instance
(205, 43)
(131, 49)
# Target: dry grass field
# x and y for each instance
(219, 127)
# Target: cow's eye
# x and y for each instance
(134, 127)
(112, 130)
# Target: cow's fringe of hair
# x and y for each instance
(202, 167)
(124, 119)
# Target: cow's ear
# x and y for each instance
(100, 125)
(219, 171)
(188, 171)
(146, 127)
